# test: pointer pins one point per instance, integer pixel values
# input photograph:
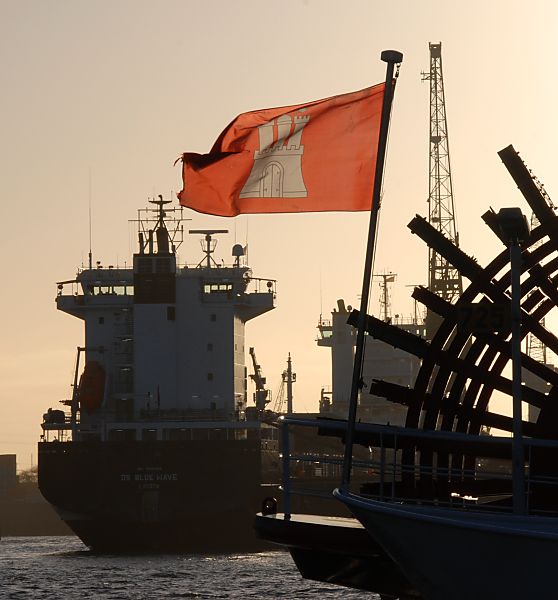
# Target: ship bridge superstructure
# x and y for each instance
(395, 366)
(164, 350)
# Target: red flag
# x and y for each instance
(318, 156)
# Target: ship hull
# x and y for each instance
(453, 554)
(186, 496)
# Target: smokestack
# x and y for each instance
(162, 241)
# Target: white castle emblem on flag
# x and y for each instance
(277, 169)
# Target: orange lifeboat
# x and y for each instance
(91, 388)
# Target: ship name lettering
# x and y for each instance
(167, 477)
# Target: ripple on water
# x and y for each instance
(48, 568)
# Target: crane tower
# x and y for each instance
(536, 348)
(443, 279)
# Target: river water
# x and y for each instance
(41, 568)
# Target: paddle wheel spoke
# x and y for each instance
(465, 375)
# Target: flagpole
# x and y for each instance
(391, 57)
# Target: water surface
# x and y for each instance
(41, 568)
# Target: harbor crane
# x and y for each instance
(444, 279)
(261, 395)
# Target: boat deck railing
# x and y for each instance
(381, 474)
(58, 426)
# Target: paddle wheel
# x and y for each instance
(465, 366)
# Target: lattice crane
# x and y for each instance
(444, 279)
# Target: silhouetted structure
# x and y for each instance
(444, 279)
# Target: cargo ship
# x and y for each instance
(157, 448)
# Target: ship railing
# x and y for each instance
(104, 268)
(165, 417)
(222, 271)
(56, 418)
(73, 285)
(105, 287)
(57, 426)
(118, 427)
(149, 414)
(261, 285)
(186, 432)
(382, 474)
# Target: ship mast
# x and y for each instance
(385, 300)
(161, 224)
(289, 377)
(444, 280)
(287, 380)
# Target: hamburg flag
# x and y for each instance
(319, 156)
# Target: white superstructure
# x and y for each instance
(164, 343)
(381, 361)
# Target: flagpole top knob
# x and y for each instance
(392, 56)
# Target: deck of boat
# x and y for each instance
(336, 550)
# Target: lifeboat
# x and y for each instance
(91, 388)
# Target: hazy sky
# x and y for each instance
(120, 88)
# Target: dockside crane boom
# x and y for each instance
(261, 395)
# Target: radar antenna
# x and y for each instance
(162, 224)
(208, 245)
